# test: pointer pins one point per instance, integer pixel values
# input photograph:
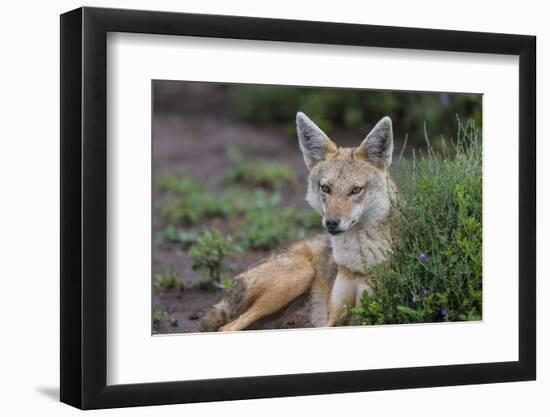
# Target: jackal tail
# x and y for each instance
(225, 310)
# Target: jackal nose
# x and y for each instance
(332, 224)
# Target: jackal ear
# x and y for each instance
(377, 148)
(314, 143)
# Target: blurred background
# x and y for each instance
(335, 110)
(229, 178)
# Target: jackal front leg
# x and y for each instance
(342, 295)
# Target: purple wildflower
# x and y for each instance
(422, 257)
(426, 292)
(442, 312)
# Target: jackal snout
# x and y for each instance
(336, 226)
(337, 216)
(332, 225)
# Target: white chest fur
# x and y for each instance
(358, 249)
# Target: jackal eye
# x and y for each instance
(325, 189)
(356, 190)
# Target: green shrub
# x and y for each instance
(354, 108)
(256, 173)
(435, 272)
(208, 254)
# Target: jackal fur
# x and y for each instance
(353, 192)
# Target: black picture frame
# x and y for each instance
(84, 207)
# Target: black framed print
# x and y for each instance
(256, 208)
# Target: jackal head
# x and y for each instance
(347, 186)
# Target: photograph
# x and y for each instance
(268, 205)
(295, 207)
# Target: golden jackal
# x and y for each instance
(351, 189)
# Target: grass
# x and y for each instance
(272, 175)
(252, 215)
(243, 200)
(174, 234)
(258, 217)
(268, 228)
(157, 316)
(186, 200)
(168, 280)
(191, 208)
(435, 272)
(180, 184)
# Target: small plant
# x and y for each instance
(209, 251)
(262, 174)
(180, 184)
(186, 200)
(174, 210)
(168, 280)
(226, 284)
(268, 228)
(193, 207)
(242, 200)
(157, 317)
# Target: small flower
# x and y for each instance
(461, 273)
(414, 298)
(426, 292)
(442, 312)
(422, 257)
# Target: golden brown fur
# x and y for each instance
(271, 284)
